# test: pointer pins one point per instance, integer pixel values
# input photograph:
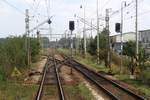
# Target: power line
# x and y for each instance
(35, 9)
(143, 13)
(47, 5)
(106, 3)
(11, 5)
(29, 5)
(128, 5)
(117, 11)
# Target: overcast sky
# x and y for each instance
(12, 14)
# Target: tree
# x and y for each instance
(13, 53)
(103, 44)
(129, 49)
(142, 58)
(92, 47)
(35, 48)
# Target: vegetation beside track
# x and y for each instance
(16, 91)
(90, 61)
(77, 92)
(13, 56)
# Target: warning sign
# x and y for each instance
(15, 72)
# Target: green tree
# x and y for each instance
(142, 58)
(103, 44)
(129, 49)
(35, 49)
(92, 46)
(13, 53)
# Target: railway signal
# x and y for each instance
(71, 28)
(71, 25)
(49, 21)
(118, 27)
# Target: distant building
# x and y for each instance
(116, 40)
(144, 40)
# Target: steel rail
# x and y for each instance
(131, 93)
(110, 81)
(59, 84)
(40, 90)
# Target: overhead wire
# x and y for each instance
(128, 5)
(47, 7)
(14, 7)
(117, 11)
(37, 6)
(35, 10)
(140, 14)
(27, 3)
(106, 3)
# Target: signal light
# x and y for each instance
(118, 27)
(71, 25)
(49, 21)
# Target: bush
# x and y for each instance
(2, 74)
(145, 76)
(147, 64)
(13, 53)
(115, 58)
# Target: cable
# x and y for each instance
(20, 11)
(117, 11)
(128, 5)
(35, 9)
(28, 4)
(138, 15)
(47, 8)
(107, 2)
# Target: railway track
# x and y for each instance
(111, 88)
(50, 72)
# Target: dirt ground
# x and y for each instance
(76, 78)
(36, 72)
(128, 86)
(67, 78)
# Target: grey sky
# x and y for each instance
(12, 21)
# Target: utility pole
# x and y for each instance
(123, 3)
(137, 35)
(91, 29)
(27, 36)
(76, 44)
(108, 33)
(71, 28)
(38, 36)
(65, 39)
(84, 32)
(78, 37)
(97, 34)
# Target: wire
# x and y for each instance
(117, 11)
(143, 13)
(14, 7)
(47, 8)
(28, 4)
(35, 10)
(106, 3)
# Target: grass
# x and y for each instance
(90, 61)
(77, 92)
(145, 89)
(138, 84)
(12, 88)
(16, 91)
